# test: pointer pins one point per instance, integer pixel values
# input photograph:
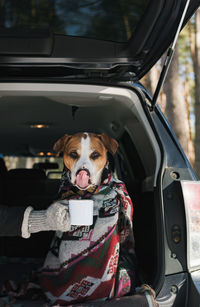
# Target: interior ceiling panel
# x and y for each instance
(18, 113)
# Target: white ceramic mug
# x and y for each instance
(81, 211)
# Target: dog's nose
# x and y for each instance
(83, 169)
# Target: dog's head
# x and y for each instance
(85, 155)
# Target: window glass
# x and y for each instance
(52, 166)
(113, 20)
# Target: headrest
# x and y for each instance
(46, 165)
(26, 174)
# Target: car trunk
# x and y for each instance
(68, 108)
(63, 60)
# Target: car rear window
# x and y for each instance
(52, 166)
(113, 20)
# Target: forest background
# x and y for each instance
(180, 97)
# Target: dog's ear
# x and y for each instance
(110, 144)
(59, 146)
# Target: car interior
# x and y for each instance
(66, 109)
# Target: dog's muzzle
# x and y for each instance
(82, 178)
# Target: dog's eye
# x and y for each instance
(73, 155)
(95, 155)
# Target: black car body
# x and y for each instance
(75, 83)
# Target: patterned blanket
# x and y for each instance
(97, 261)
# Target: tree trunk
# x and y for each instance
(191, 153)
(176, 110)
(197, 91)
(153, 78)
(150, 79)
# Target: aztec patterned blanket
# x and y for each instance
(97, 261)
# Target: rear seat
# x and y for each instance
(52, 187)
(25, 187)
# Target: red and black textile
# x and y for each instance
(98, 261)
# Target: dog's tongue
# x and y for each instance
(82, 179)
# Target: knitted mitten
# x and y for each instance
(56, 218)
